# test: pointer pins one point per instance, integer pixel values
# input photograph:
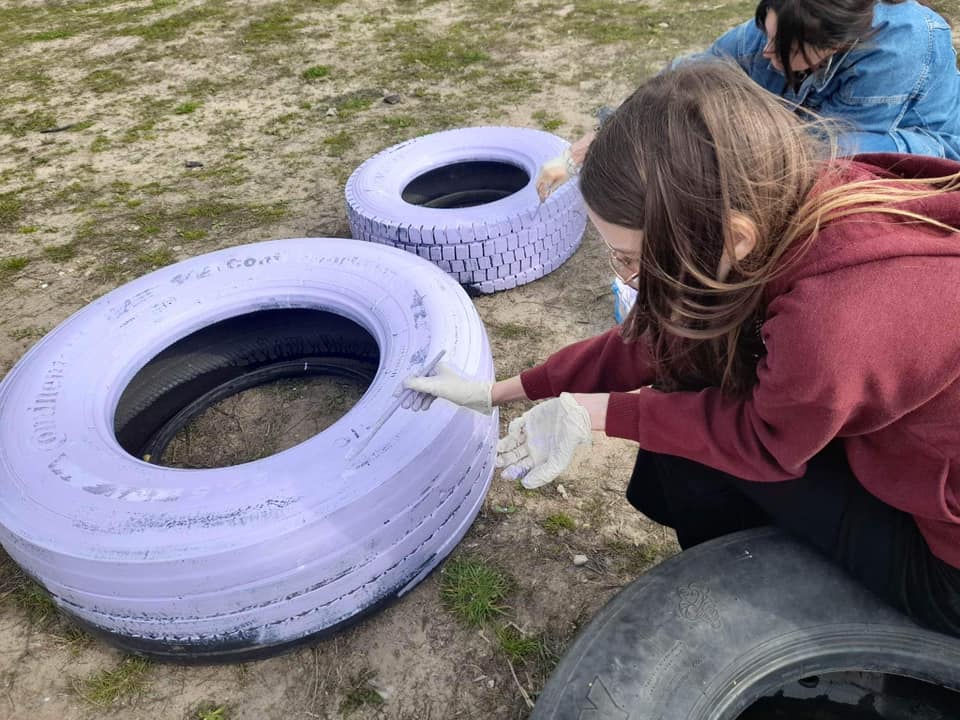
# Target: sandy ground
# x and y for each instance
(104, 104)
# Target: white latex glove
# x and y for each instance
(553, 174)
(556, 172)
(539, 444)
(448, 384)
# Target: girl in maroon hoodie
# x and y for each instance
(794, 354)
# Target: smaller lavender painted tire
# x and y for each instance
(240, 562)
(473, 209)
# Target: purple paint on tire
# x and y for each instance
(237, 562)
(498, 216)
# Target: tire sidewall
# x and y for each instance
(81, 514)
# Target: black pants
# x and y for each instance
(827, 508)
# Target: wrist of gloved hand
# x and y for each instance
(448, 384)
(571, 166)
(540, 444)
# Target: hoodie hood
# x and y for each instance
(870, 237)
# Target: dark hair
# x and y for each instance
(821, 24)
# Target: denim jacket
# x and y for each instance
(898, 90)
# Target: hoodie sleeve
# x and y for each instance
(841, 360)
(604, 363)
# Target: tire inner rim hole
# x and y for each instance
(245, 388)
(855, 695)
(465, 184)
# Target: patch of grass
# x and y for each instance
(60, 253)
(277, 26)
(12, 265)
(550, 124)
(685, 21)
(518, 81)
(46, 35)
(426, 54)
(510, 330)
(443, 55)
(155, 258)
(213, 712)
(315, 72)
(338, 144)
(192, 235)
(142, 130)
(360, 693)
(10, 209)
(519, 647)
(103, 81)
(109, 271)
(34, 601)
(28, 229)
(118, 686)
(557, 522)
(174, 26)
(595, 510)
(474, 590)
(82, 125)
(399, 122)
(635, 559)
(186, 108)
(73, 638)
(27, 333)
(34, 121)
(525, 492)
(354, 105)
(100, 144)
(150, 110)
(204, 87)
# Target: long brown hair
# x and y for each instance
(688, 149)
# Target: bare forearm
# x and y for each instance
(511, 389)
(508, 390)
(596, 405)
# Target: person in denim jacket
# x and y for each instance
(886, 72)
(894, 82)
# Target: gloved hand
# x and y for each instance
(539, 444)
(556, 172)
(448, 384)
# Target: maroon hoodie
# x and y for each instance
(863, 343)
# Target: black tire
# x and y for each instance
(708, 632)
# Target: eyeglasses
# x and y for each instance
(624, 267)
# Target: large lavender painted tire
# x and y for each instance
(465, 200)
(239, 562)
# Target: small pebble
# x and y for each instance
(579, 560)
(562, 490)
(392, 99)
(193, 164)
(331, 112)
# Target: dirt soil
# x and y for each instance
(137, 133)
